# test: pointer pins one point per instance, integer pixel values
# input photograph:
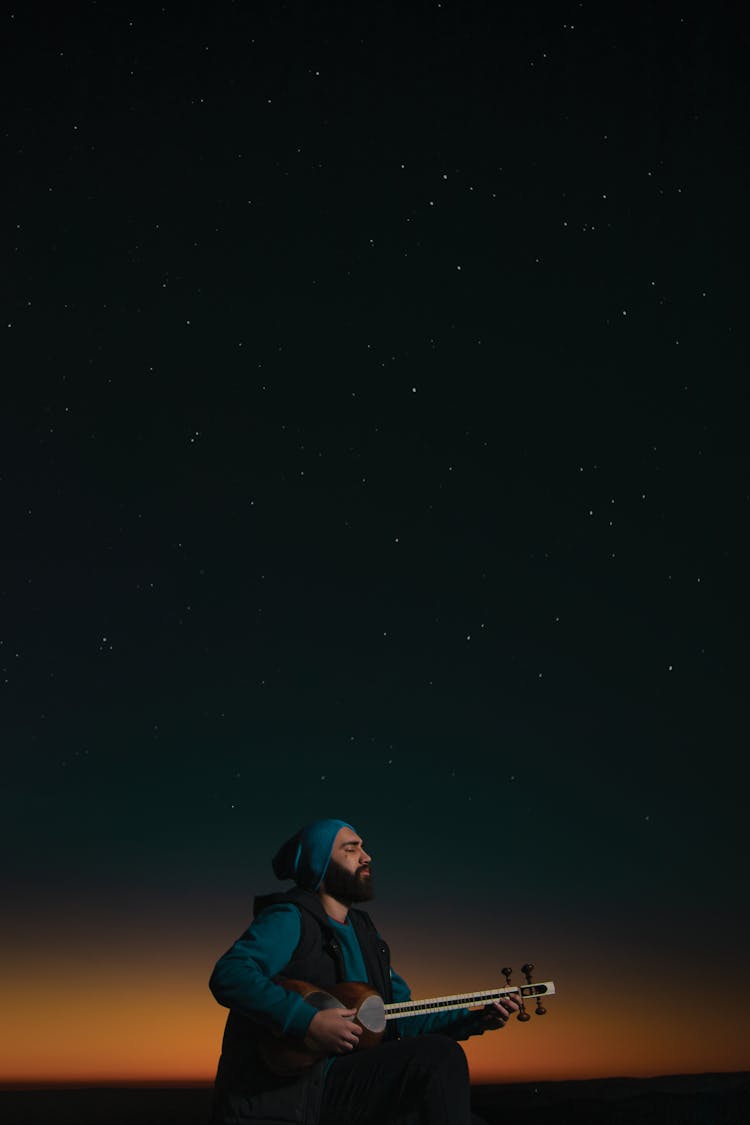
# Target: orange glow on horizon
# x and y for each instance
(133, 1019)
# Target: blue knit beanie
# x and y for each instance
(306, 855)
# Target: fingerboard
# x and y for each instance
(465, 1000)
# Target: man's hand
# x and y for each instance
(333, 1031)
(499, 1012)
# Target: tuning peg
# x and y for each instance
(527, 970)
(523, 1016)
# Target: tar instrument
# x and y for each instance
(286, 1056)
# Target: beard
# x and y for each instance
(346, 886)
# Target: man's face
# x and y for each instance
(348, 878)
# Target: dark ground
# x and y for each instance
(706, 1099)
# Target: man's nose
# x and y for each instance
(365, 857)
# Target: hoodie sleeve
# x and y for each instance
(458, 1024)
(241, 979)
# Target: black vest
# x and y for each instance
(245, 1090)
(318, 958)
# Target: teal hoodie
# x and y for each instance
(242, 979)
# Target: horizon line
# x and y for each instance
(30, 1085)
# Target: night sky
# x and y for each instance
(374, 445)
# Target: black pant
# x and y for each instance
(424, 1080)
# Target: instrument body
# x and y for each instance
(286, 1056)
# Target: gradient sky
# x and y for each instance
(374, 446)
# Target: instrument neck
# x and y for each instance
(450, 1003)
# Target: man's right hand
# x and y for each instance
(333, 1031)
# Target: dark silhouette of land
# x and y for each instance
(702, 1099)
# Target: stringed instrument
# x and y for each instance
(286, 1056)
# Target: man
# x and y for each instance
(312, 933)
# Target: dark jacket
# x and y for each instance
(246, 1091)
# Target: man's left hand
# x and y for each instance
(498, 1013)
